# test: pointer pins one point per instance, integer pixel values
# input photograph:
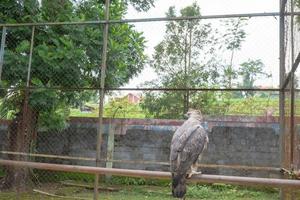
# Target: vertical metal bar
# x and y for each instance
(26, 97)
(282, 4)
(101, 100)
(2, 50)
(189, 68)
(22, 137)
(292, 129)
(297, 161)
(281, 78)
(292, 114)
(30, 57)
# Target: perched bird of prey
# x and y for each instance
(187, 145)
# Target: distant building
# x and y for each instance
(132, 98)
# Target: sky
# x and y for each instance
(262, 41)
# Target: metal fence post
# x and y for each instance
(101, 100)
(282, 4)
(2, 50)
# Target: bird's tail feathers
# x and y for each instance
(178, 185)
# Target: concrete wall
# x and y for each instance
(240, 142)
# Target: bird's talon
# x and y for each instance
(193, 173)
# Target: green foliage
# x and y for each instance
(297, 3)
(176, 62)
(213, 103)
(217, 103)
(250, 72)
(253, 106)
(119, 180)
(122, 108)
(139, 188)
(189, 57)
(66, 56)
(157, 105)
(54, 119)
(232, 41)
(234, 35)
(44, 176)
(138, 192)
(141, 5)
(222, 191)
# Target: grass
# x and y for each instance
(151, 192)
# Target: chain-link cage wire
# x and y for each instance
(39, 100)
(59, 185)
(57, 82)
(296, 42)
(145, 143)
(296, 32)
(297, 132)
(218, 53)
(291, 51)
(292, 34)
(291, 106)
(74, 66)
(15, 48)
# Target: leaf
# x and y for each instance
(23, 46)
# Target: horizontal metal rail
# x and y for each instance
(144, 89)
(234, 167)
(149, 89)
(47, 156)
(156, 19)
(199, 89)
(236, 180)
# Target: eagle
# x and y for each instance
(187, 145)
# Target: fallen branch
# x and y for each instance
(58, 196)
(110, 189)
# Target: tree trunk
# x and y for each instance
(21, 132)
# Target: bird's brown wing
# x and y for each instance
(187, 148)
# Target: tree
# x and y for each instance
(176, 60)
(232, 39)
(63, 57)
(250, 72)
(190, 56)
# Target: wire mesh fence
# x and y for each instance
(50, 91)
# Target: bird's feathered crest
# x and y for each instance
(195, 114)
